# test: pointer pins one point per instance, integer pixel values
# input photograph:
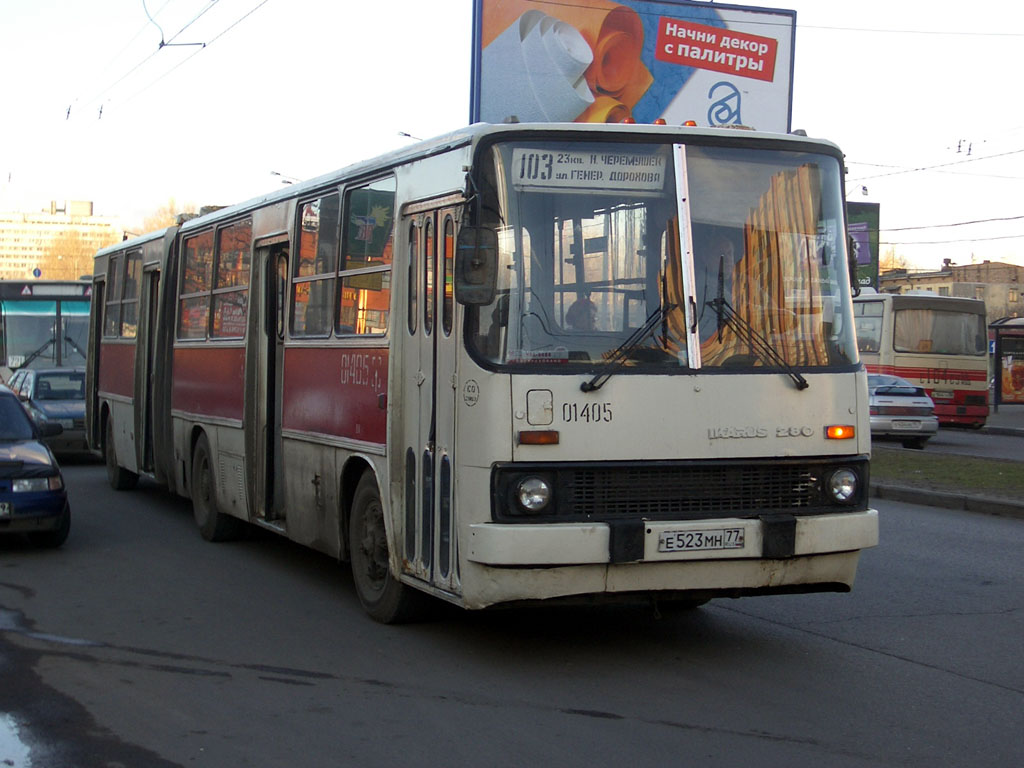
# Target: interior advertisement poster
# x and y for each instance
(598, 61)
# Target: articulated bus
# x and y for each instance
(43, 324)
(516, 363)
(937, 342)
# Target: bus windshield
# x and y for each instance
(33, 336)
(596, 249)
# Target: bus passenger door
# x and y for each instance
(147, 337)
(428, 541)
(92, 368)
(264, 374)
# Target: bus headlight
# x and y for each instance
(533, 494)
(842, 484)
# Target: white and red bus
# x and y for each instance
(937, 342)
(514, 363)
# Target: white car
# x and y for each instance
(901, 411)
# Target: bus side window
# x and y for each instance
(364, 272)
(315, 265)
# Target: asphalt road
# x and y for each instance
(139, 644)
(968, 442)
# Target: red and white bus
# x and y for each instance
(937, 342)
(514, 363)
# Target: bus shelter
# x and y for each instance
(1008, 334)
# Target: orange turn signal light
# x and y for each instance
(690, 123)
(660, 121)
(539, 437)
(840, 432)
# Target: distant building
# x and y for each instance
(30, 241)
(999, 285)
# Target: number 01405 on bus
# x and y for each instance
(689, 541)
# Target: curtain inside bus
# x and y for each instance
(939, 332)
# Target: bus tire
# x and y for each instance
(120, 479)
(213, 524)
(382, 596)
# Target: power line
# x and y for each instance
(957, 224)
(938, 165)
(200, 50)
(164, 44)
(954, 33)
(947, 242)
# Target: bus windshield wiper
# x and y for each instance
(37, 353)
(75, 346)
(758, 344)
(625, 348)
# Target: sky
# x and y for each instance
(920, 96)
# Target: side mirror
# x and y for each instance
(50, 428)
(476, 265)
(851, 260)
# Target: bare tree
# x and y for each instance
(166, 215)
(69, 255)
(890, 261)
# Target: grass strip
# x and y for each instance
(947, 472)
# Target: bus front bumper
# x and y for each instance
(510, 563)
(524, 544)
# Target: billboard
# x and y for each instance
(862, 223)
(600, 61)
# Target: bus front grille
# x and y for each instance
(680, 490)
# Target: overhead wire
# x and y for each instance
(164, 43)
(937, 165)
(198, 51)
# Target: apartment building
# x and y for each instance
(58, 242)
(999, 285)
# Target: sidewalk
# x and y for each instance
(1009, 420)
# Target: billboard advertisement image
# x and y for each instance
(600, 61)
(863, 219)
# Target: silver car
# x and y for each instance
(901, 411)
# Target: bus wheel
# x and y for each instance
(213, 524)
(120, 479)
(385, 598)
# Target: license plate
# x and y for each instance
(942, 394)
(694, 541)
(906, 425)
(67, 423)
(6, 509)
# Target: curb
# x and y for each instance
(1012, 431)
(946, 500)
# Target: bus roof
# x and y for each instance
(473, 134)
(135, 241)
(925, 300)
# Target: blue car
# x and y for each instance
(58, 395)
(33, 499)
